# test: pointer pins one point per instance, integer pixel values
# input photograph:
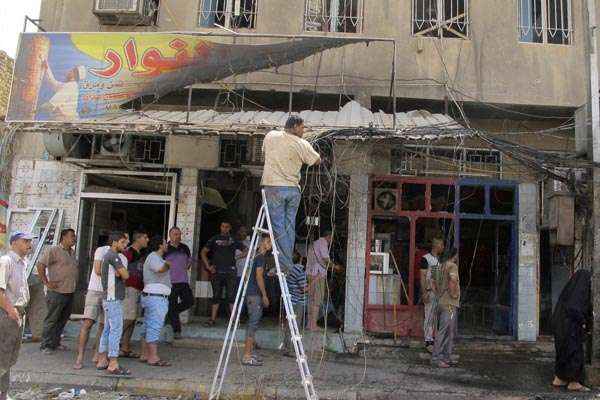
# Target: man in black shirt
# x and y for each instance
(221, 265)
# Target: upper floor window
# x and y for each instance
(545, 21)
(231, 14)
(333, 16)
(441, 18)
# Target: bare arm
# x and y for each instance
(260, 281)
(204, 256)
(166, 266)
(41, 270)
(51, 79)
(122, 273)
(453, 287)
(98, 267)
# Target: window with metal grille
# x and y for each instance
(333, 16)
(145, 149)
(545, 21)
(427, 160)
(441, 18)
(231, 14)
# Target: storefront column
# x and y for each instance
(528, 265)
(356, 254)
(188, 219)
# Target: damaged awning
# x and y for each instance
(352, 121)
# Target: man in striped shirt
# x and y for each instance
(296, 281)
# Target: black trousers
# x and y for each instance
(181, 299)
(59, 311)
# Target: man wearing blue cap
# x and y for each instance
(14, 295)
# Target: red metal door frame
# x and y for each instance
(410, 311)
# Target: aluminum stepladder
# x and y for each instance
(54, 217)
(307, 379)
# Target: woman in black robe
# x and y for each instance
(572, 317)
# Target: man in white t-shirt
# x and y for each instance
(93, 307)
(429, 263)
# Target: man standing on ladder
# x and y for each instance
(285, 153)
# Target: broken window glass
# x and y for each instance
(228, 13)
(545, 21)
(441, 18)
(333, 16)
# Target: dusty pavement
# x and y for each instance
(378, 373)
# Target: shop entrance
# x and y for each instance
(476, 216)
(120, 201)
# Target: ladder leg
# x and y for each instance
(221, 371)
(307, 379)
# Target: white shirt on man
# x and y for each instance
(95, 280)
(13, 280)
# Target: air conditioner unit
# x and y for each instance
(113, 146)
(385, 200)
(126, 12)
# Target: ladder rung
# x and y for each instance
(262, 230)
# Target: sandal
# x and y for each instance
(102, 368)
(210, 322)
(160, 363)
(579, 389)
(252, 362)
(129, 354)
(119, 372)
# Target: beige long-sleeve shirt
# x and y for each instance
(285, 154)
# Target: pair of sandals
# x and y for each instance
(253, 361)
(115, 372)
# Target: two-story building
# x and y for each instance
(513, 70)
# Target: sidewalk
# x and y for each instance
(377, 373)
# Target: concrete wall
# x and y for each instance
(38, 183)
(492, 66)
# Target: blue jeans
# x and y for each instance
(113, 328)
(155, 310)
(283, 202)
(255, 311)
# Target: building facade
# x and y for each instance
(498, 68)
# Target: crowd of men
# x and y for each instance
(122, 277)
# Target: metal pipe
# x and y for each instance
(33, 21)
(281, 36)
(254, 35)
(291, 88)
(394, 86)
(189, 105)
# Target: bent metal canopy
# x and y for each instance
(77, 76)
